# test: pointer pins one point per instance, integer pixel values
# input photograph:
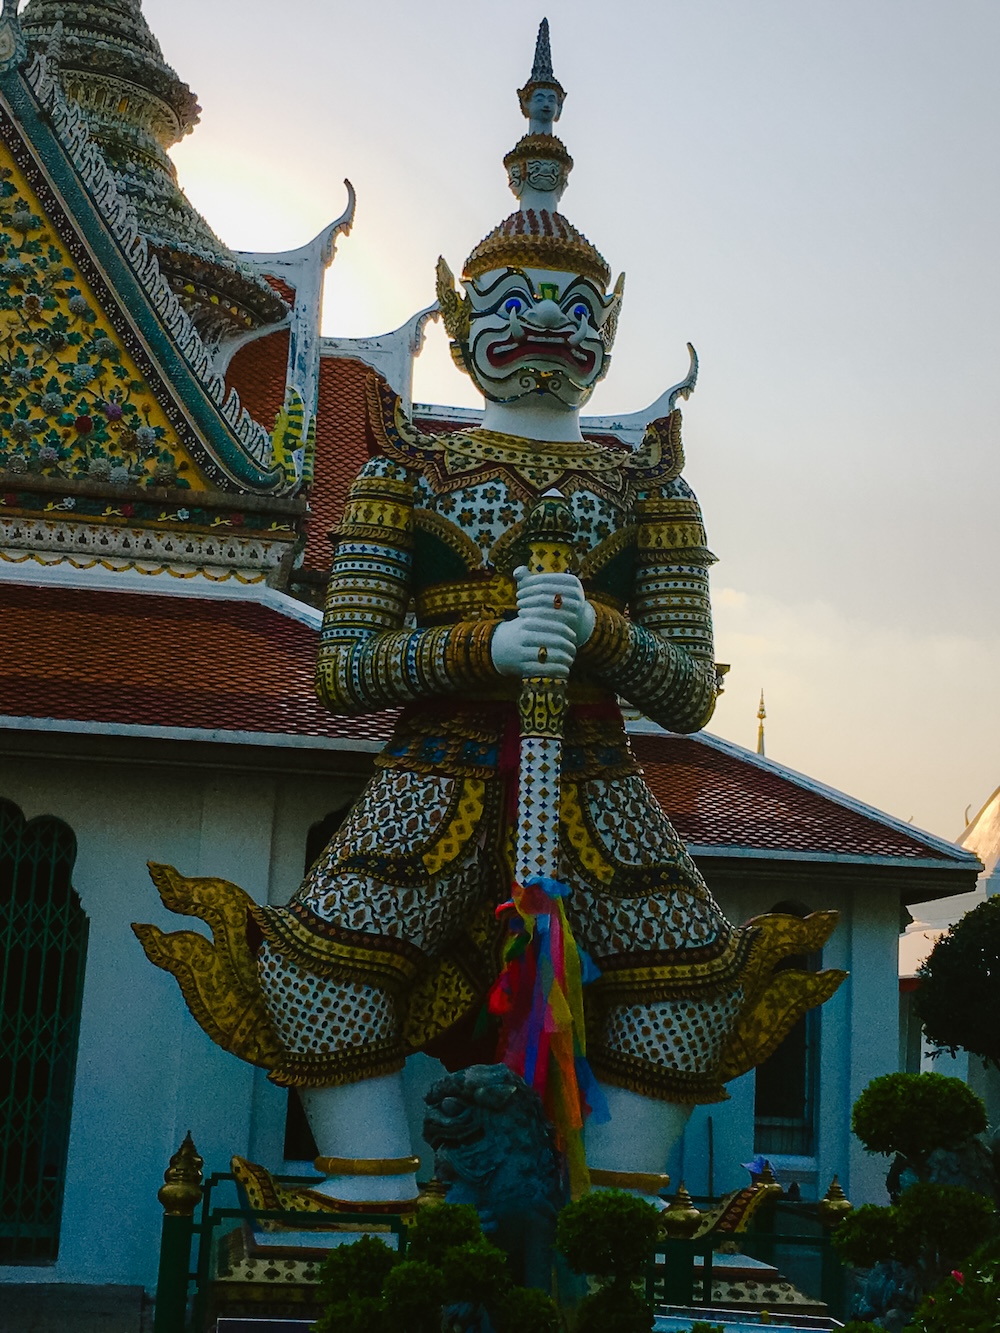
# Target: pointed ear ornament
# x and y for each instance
(610, 326)
(454, 307)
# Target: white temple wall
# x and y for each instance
(146, 1073)
(858, 1039)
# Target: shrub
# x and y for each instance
(608, 1233)
(525, 1310)
(611, 1310)
(933, 1229)
(913, 1114)
(437, 1230)
(412, 1295)
(475, 1272)
(968, 1301)
(357, 1270)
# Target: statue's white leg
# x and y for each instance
(366, 1123)
(637, 1138)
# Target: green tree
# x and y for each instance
(959, 993)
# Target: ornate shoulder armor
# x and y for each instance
(660, 457)
(391, 432)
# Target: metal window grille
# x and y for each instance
(43, 949)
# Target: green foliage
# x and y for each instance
(369, 1289)
(614, 1310)
(412, 1296)
(608, 1233)
(525, 1310)
(959, 991)
(436, 1230)
(475, 1272)
(701, 1326)
(913, 1114)
(612, 1235)
(967, 1301)
(356, 1314)
(356, 1270)
(933, 1229)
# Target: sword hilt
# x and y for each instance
(548, 535)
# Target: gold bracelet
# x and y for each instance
(649, 1182)
(366, 1166)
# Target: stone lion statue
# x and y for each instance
(494, 1148)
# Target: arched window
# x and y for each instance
(787, 1081)
(300, 1145)
(43, 949)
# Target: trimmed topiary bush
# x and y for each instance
(914, 1114)
(610, 1235)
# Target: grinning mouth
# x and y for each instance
(545, 346)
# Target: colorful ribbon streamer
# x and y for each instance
(538, 998)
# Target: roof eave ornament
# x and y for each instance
(13, 47)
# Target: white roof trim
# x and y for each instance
(644, 727)
(827, 858)
(282, 739)
(97, 578)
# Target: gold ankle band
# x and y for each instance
(366, 1166)
(649, 1182)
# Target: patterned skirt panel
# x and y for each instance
(391, 938)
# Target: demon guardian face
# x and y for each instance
(534, 330)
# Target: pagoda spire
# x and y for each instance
(761, 715)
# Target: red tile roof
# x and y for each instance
(717, 796)
(342, 446)
(257, 372)
(152, 659)
(157, 660)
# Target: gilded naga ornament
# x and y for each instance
(509, 779)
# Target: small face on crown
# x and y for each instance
(543, 106)
(538, 331)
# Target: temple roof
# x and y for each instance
(191, 658)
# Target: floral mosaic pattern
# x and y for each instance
(71, 404)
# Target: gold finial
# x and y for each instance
(834, 1204)
(180, 1193)
(434, 1193)
(766, 1181)
(761, 715)
(681, 1220)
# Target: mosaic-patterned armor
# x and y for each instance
(390, 939)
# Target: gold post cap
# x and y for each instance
(180, 1192)
(834, 1204)
(682, 1219)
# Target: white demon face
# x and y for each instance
(539, 331)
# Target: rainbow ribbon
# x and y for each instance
(538, 998)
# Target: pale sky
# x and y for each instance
(805, 189)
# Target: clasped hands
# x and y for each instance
(553, 620)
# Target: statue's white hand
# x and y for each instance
(553, 619)
(557, 595)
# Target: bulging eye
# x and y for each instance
(514, 305)
(580, 311)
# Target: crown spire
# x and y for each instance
(542, 68)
